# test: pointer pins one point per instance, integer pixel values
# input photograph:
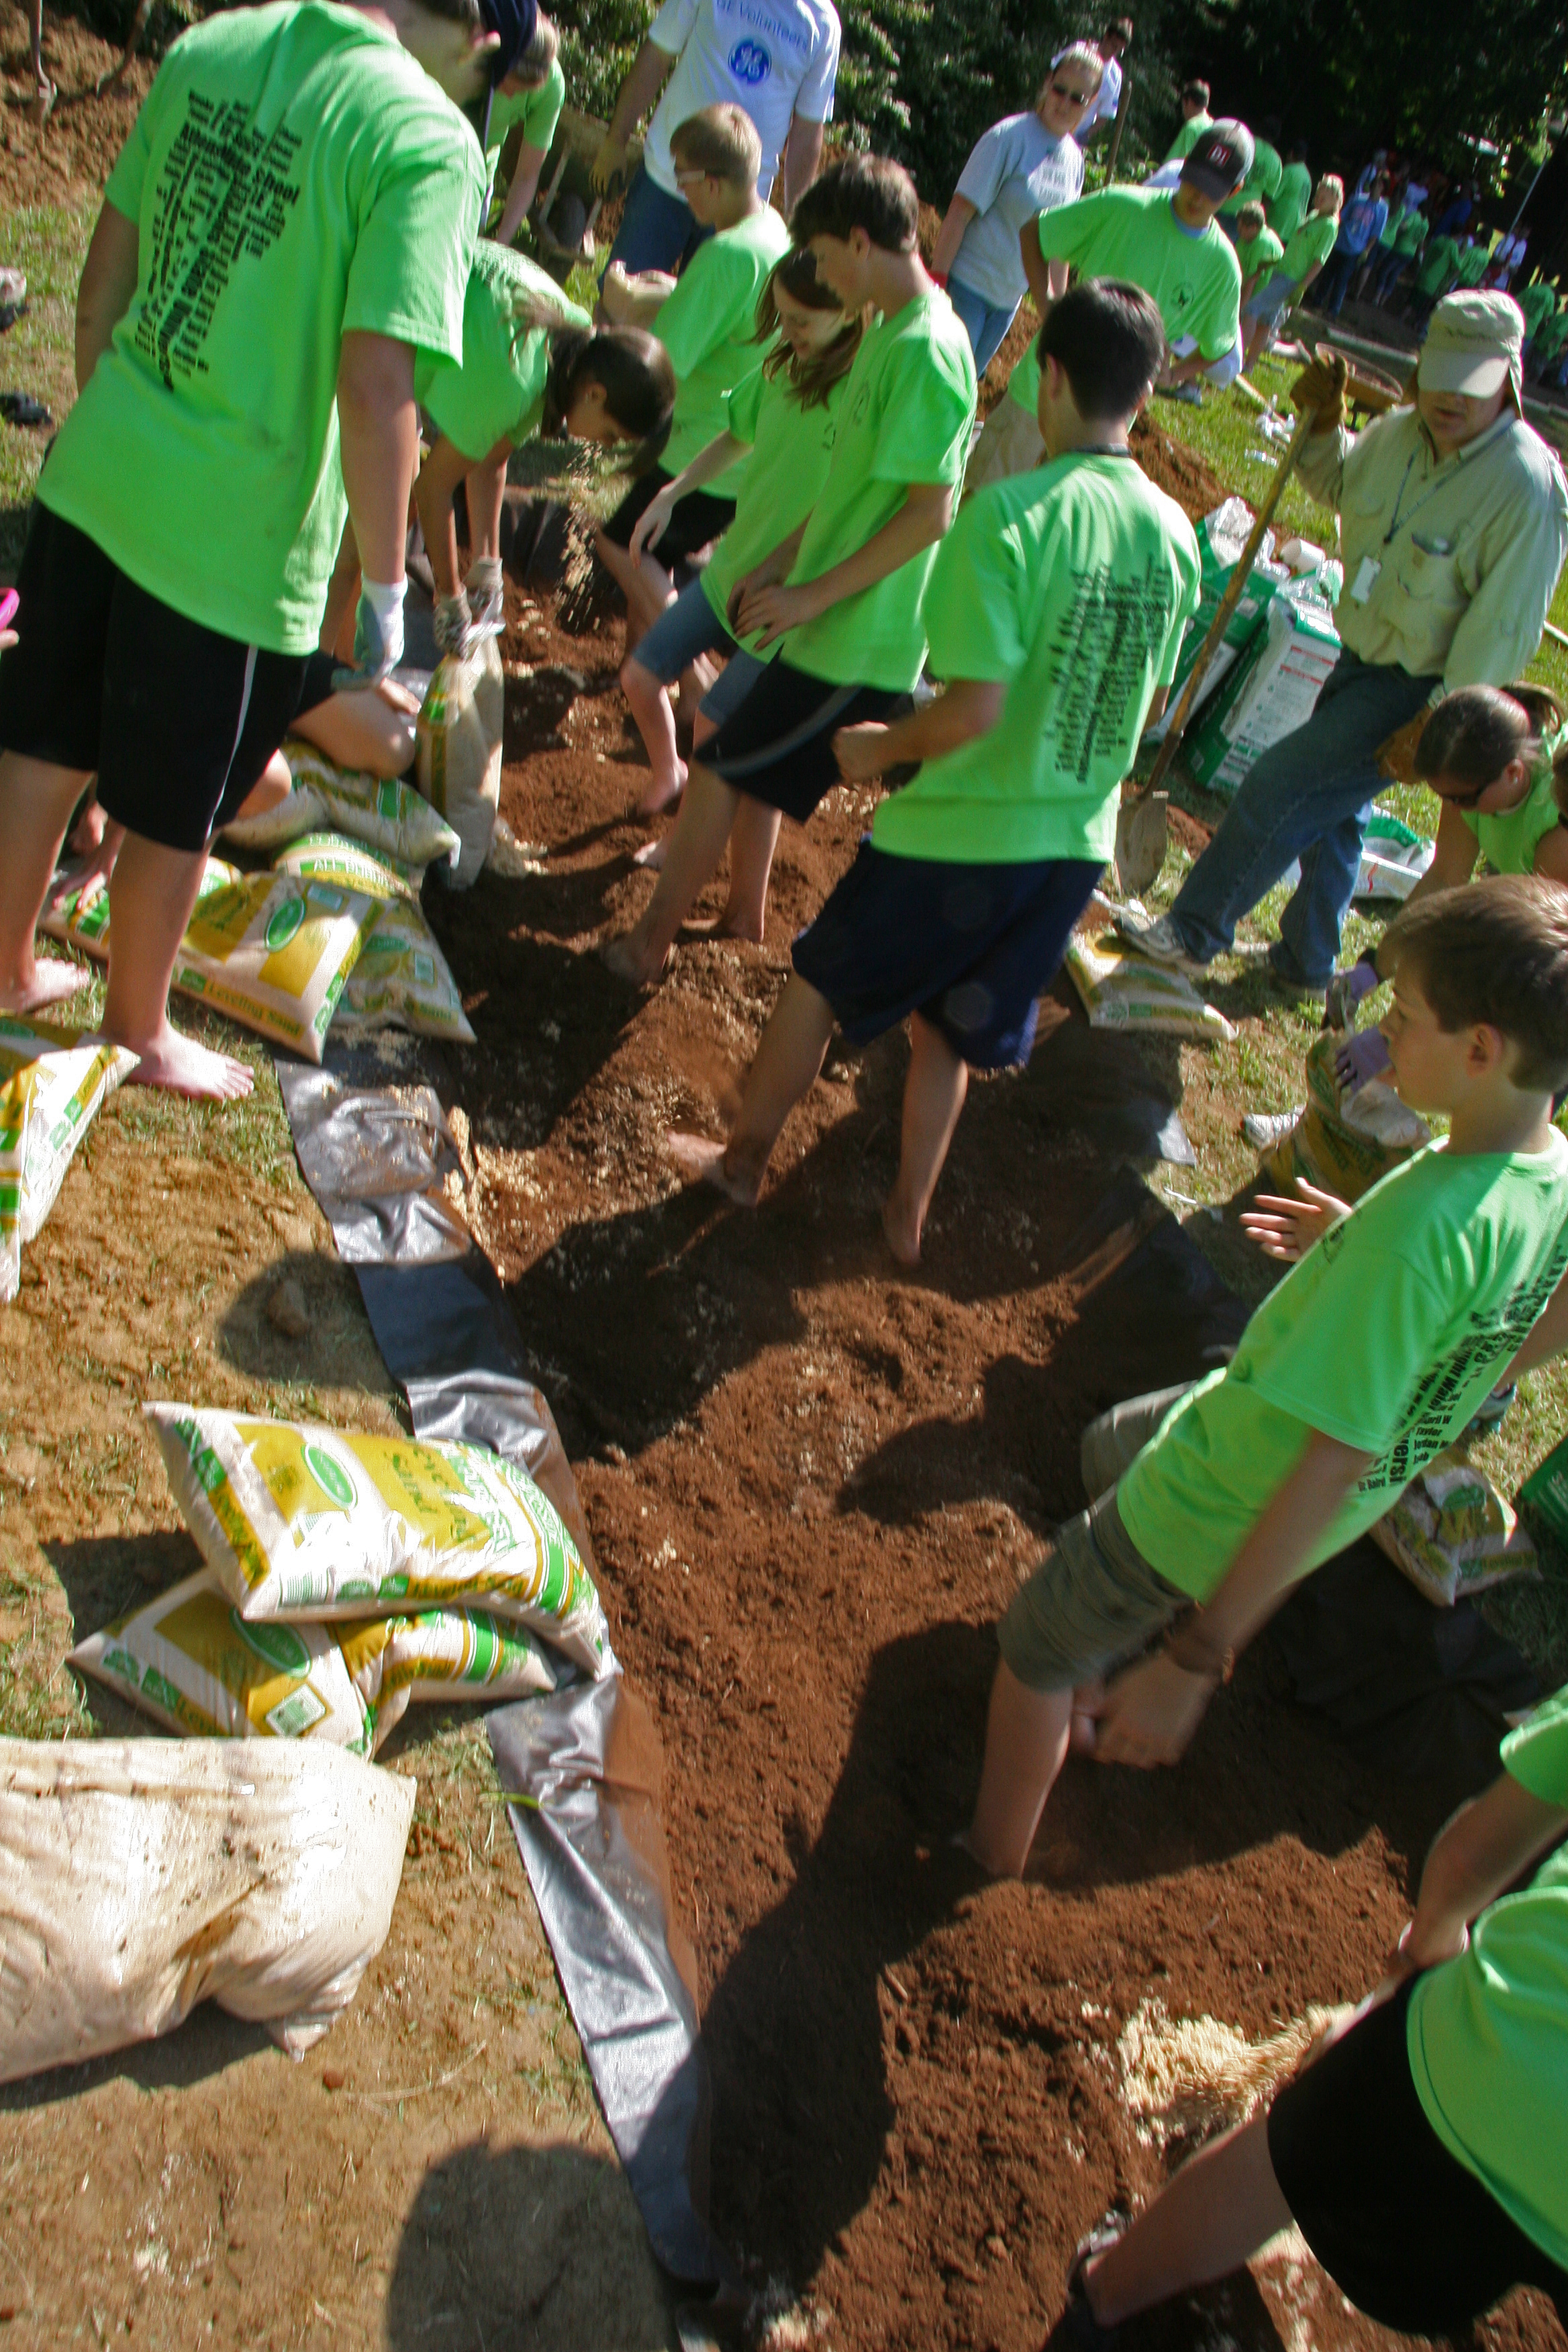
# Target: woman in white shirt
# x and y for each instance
(1025, 164)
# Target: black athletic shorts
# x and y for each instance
(1401, 2227)
(696, 517)
(317, 687)
(777, 746)
(177, 721)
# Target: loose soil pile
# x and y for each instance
(812, 1482)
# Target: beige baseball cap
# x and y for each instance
(1475, 344)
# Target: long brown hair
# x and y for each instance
(811, 379)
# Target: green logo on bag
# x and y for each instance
(284, 923)
(278, 1645)
(331, 1475)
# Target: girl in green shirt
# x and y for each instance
(785, 414)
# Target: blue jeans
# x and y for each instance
(1336, 280)
(984, 322)
(655, 228)
(1308, 796)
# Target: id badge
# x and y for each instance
(1365, 580)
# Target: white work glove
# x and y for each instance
(485, 592)
(454, 625)
(378, 635)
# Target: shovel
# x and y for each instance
(1142, 821)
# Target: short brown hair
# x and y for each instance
(1494, 952)
(869, 192)
(722, 142)
(1252, 218)
(1198, 91)
(812, 380)
(534, 64)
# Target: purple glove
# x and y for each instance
(1362, 1057)
(1345, 992)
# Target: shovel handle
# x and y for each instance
(1227, 605)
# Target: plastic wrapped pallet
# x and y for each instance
(1452, 1533)
(52, 1082)
(1221, 537)
(190, 1660)
(140, 1876)
(1346, 1138)
(1123, 990)
(458, 766)
(298, 1521)
(1267, 695)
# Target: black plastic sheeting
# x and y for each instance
(585, 1763)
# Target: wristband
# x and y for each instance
(1189, 1647)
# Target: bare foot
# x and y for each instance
(51, 984)
(700, 1159)
(723, 926)
(630, 962)
(651, 855)
(661, 791)
(903, 1234)
(184, 1067)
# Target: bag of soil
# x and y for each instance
(298, 1521)
(383, 813)
(1123, 990)
(1346, 1138)
(140, 1876)
(52, 1084)
(401, 981)
(351, 865)
(191, 1661)
(1453, 1533)
(458, 766)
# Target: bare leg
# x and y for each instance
(753, 842)
(486, 487)
(691, 858)
(647, 587)
(934, 1094)
(1026, 1741)
(272, 787)
(1220, 2207)
(788, 1059)
(150, 894)
(370, 728)
(656, 724)
(35, 804)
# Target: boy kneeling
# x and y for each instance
(1372, 1355)
(1055, 611)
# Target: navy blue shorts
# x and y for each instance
(969, 947)
(776, 746)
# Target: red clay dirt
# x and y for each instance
(812, 1482)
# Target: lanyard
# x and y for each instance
(1422, 500)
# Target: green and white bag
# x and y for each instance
(52, 1084)
(298, 1521)
(385, 813)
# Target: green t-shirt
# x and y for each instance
(1551, 334)
(906, 417)
(1438, 264)
(1537, 302)
(1187, 137)
(1263, 182)
(1133, 234)
(708, 327)
(1487, 2034)
(1508, 842)
(1385, 1335)
(1311, 245)
(538, 110)
(1288, 207)
(1410, 232)
(497, 390)
(791, 448)
(1263, 252)
(1473, 263)
(1071, 585)
(292, 173)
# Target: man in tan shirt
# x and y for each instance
(1454, 523)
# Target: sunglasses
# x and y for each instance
(1073, 97)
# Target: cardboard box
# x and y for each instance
(1221, 537)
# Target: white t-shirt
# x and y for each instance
(774, 57)
(1102, 106)
(1018, 168)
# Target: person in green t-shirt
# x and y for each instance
(288, 224)
(1404, 235)
(1287, 205)
(1195, 120)
(1055, 611)
(1265, 177)
(1422, 2147)
(705, 320)
(1300, 263)
(1395, 1322)
(1435, 275)
(1491, 754)
(1165, 241)
(1537, 301)
(833, 610)
(1474, 256)
(1257, 249)
(526, 108)
(785, 414)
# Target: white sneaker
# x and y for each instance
(1265, 1128)
(1160, 939)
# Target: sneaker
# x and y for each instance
(1264, 1129)
(1188, 393)
(1159, 939)
(1488, 1413)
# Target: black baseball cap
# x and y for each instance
(1220, 160)
(514, 20)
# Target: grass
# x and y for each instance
(49, 243)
